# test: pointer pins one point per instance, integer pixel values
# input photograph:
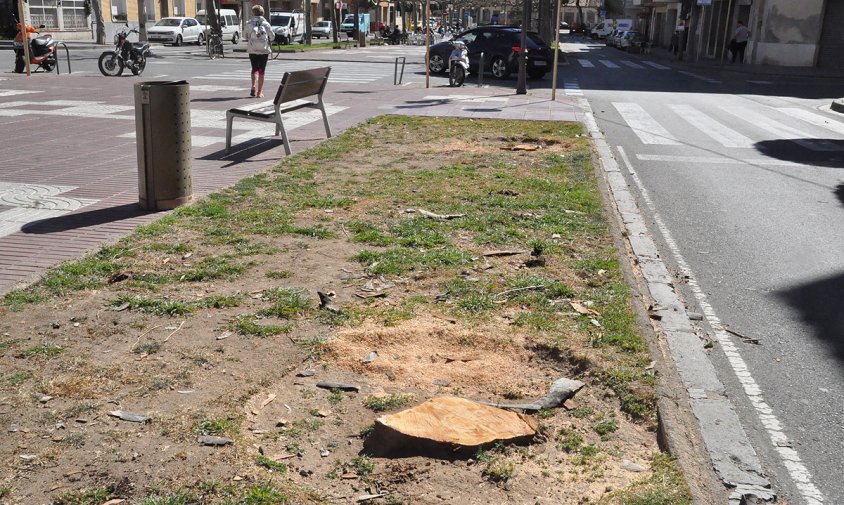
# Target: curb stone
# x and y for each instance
(703, 402)
(838, 105)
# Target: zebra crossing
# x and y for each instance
(732, 126)
(618, 64)
(347, 73)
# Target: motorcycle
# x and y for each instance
(458, 62)
(132, 55)
(42, 50)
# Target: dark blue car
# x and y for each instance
(500, 45)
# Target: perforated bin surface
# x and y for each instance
(163, 133)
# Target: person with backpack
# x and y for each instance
(259, 35)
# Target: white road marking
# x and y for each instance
(212, 88)
(585, 63)
(815, 119)
(468, 98)
(656, 65)
(789, 457)
(572, 87)
(13, 92)
(782, 131)
(608, 64)
(719, 160)
(722, 134)
(701, 77)
(632, 64)
(643, 125)
(34, 202)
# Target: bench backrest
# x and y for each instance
(302, 84)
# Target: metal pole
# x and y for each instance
(427, 46)
(556, 55)
(481, 70)
(727, 26)
(24, 36)
(521, 84)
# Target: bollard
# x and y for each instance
(396, 76)
(163, 138)
(481, 71)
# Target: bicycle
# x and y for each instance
(215, 45)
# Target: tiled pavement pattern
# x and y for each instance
(68, 167)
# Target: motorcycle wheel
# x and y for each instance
(111, 64)
(49, 65)
(459, 75)
(140, 65)
(19, 65)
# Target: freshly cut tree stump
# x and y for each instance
(446, 426)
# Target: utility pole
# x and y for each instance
(428, 46)
(24, 36)
(521, 83)
(556, 53)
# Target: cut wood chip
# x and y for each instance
(582, 309)
(431, 215)
(522, 147)
(269, 399)
(505, 252)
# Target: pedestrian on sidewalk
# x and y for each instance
(259, 35)
(740, 42)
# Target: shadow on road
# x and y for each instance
(820, 305)
(795, 150)
(84, 219)
(839, 192)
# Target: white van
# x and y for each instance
(289, 27)
(229, 22)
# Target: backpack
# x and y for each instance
(258, 39)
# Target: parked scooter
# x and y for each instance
(42, 50)
(131, 55)
(458, 62)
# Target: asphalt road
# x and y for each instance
(746, 172)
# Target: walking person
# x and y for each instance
(740, 38)
(259, 35)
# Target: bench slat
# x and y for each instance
(301, 84)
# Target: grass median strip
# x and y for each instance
(471, 268)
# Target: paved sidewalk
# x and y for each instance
(68, 173)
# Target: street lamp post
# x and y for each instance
(521, 84)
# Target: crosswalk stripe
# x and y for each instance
(656, 65)
(572, 87)
(632, 64)
(815, 119)
(700, 77)
(609, 64)
(644, 125)
(799, 137)
(585, 63)
(722, 134)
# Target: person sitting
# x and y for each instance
(395, 37)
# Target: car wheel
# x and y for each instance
(235, 38)
(499, 68)
(200, 40)
(178, 41)
(436, 64)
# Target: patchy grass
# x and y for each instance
(44, 351)
(497, 466)
(85, 497)
(275, 466)
(385, 403)
(665, 486)
(248, 325)
(18, 378)
(287, 303)
(220, 427)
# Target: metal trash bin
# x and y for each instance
(162, 132)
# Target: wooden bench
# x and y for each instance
(294, 88)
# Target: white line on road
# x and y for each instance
(609, 64)
(656, 65)
(719, 160)
(585, 63)
(789, 457)
(815, 119)
(782, 131)
(643, 125)
(632, 64)
(720, 133)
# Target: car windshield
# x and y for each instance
(467, 37)
(536, 39)
(201, 19)
(169, 22)
(279, 20)
(322, 23)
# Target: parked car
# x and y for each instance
(500, 45)
(614, 37)
(229, 22)
(321, 29)
(564, 26)
(176, 30)
(630, 39)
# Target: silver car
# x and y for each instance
(321, 29)
(176, 30)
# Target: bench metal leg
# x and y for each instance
(279, 127)
(324, 118)
(229, 121)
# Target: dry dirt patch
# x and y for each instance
(209, 322)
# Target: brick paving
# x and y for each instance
(52, 149)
